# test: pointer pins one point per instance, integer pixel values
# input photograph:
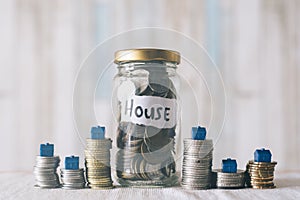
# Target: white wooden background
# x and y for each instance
(256, 45)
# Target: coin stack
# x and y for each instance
(97, 160)
(260, 172)
(72, 177)
(45, 169)
(197, 163)
(229, 176)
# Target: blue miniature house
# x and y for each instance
(98, 132)
(72, 162)
(47, 150)
(229, 166)
(198, 133)
(262, 155)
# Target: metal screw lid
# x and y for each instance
(146, 54)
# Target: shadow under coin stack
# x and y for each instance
(197, 160)
(260, 172)
(229, 176)
(72, 177)
(97, 160)
(45, 170)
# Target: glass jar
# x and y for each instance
(147, 110)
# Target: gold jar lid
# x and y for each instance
(128, 55)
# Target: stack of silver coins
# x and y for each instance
(197, 163)
(97, 163)
(45, 172)
(260, 175)
(72, 178)
(228, 180)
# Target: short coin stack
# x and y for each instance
(45, 170)
(230, 180)
(97, 160)
(229, 176)
(197, 162)
(72, 177)
(260, 172)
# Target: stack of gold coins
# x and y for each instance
(97, 162)
(260, 171)
(260, 175)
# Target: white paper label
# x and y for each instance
(150, 111)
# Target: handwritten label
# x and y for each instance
(150, 111)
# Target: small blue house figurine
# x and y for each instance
(98, 133)
(262, 155)
(47, 150)
(72, 162)
(229, 166)
(198, 133)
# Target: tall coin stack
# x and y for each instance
(260, 172)
(229, 176)
(45, 169)
(72, 177)
(97, 160)
(197, 160)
